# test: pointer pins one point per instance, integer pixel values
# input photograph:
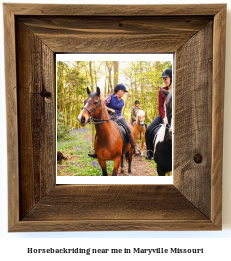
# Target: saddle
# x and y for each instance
(123, 130)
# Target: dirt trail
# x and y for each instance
(139, 166)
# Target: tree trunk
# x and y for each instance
(109, 67)
(93, 126)
(116, 72)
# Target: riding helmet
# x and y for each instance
(167, 73)
(137, 101)
(120, 86)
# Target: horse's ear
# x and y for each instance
(165, 92)
(98, 91)
(88, 91)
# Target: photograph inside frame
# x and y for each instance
(114, 118)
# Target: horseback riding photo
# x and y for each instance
(106, 118)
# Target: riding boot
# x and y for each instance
(93, 154)
(149, 155)
(132, 141)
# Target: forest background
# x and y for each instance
(141, 78)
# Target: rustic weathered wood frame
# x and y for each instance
(33, 34)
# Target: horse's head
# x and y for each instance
(168, 111)
(91, 105)
(140, 118)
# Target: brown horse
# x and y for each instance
(109, 144)
(140, 128)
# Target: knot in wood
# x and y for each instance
(198, 158)
(45, 94)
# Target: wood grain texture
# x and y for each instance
(115, 207)
(193, 118)
(115, 10)
(115, 34)
(11, 116)
(114, 202)
(218, 114)
(114, 225)
(194, 201)
(36, 106)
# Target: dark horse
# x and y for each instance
(162, 146)
(109, 144)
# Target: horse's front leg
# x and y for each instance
(122, 164)
(103, 166)
(117, 161)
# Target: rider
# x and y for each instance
(134, 110)
(115, 103)
(167, 78)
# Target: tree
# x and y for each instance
(92, 84)
(142, 79)
(109, 68)
(116, 72)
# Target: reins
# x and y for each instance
(93, 120)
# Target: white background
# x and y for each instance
(216, 244)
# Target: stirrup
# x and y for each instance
(136, 154)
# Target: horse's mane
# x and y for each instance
(140, 113)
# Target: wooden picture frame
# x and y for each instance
(33, 34)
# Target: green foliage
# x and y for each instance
(72, 81)
(142, 79)
(62, 128)
(154, 165)
(76, 148)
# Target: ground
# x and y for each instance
(139, 166)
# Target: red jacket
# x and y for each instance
(161, 100)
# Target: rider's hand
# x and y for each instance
(113, 111)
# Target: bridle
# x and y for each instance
(139, 124)
(142, 128)
(95, 120)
